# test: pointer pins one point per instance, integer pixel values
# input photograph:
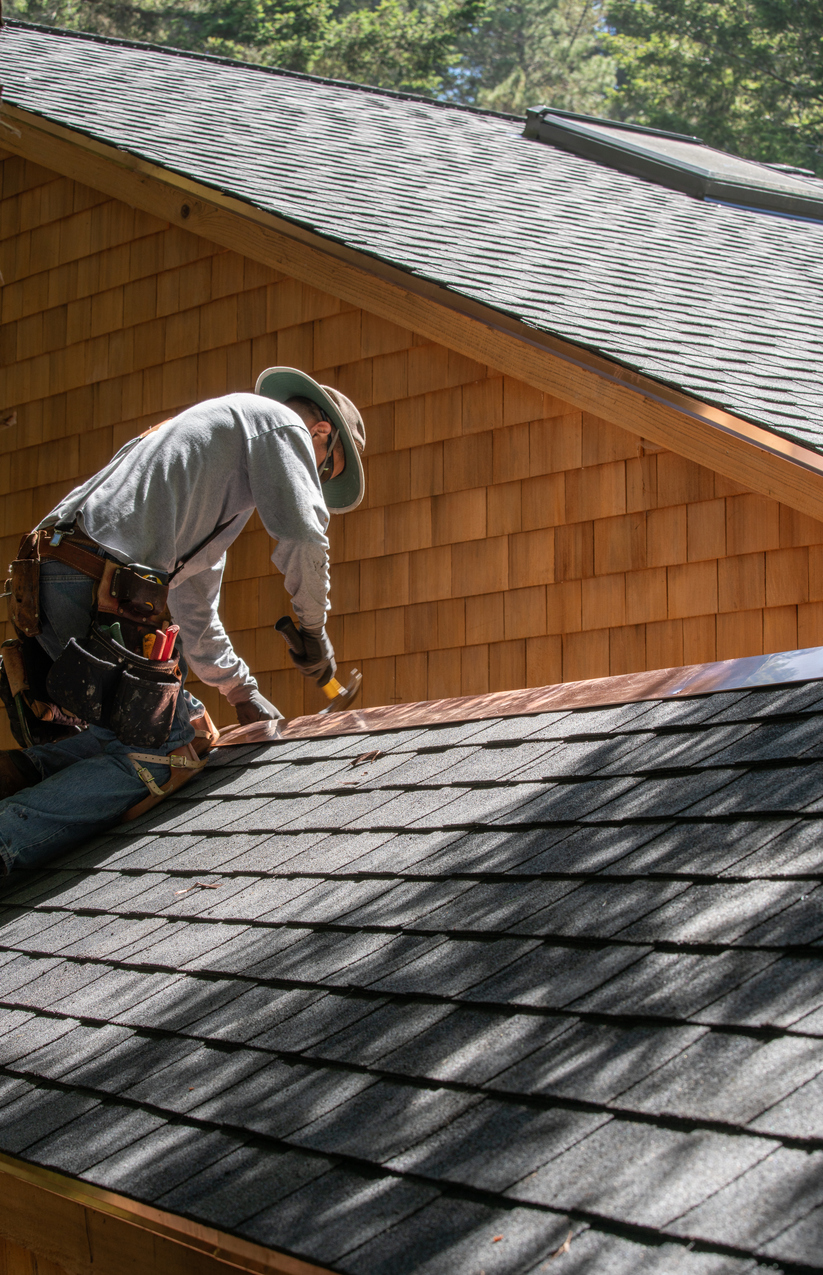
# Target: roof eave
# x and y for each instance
(66, 1220)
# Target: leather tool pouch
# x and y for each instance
(32, 717)
(105, 684)
(127, 592)
(24, 587)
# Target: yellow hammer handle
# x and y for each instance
(332, 688)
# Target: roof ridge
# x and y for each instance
(120, 42)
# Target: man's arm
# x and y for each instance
(287, 492)
(209, 653)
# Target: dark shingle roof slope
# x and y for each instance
(720, 302)
(434, 1011)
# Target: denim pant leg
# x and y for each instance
(89, 781)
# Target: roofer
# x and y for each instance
(94, 680)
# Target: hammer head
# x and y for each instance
(345, 696)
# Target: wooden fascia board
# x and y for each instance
(90, 1231)
(737, 449)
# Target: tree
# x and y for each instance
(402, 44)
(523, 53)
(745, 75)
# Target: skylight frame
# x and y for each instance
(573, 133)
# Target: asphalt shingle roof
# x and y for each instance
(718, 301)
(457, 1004)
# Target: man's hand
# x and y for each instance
(256, 709)
(318, 662)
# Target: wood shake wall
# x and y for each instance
(16, 1260)
(506, 540)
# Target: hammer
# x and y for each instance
(337, 695)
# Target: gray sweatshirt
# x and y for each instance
(163, 495)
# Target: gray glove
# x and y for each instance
(256, 709)
(318, 662)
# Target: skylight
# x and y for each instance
(680, 163)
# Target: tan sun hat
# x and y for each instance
(346, 490)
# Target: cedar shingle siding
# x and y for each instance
(507, 539)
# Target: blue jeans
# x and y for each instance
(88, 780)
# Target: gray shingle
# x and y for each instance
(596, 1063)
(128, 1063)
(611, 1172)
(714, 913)
(283, 1097)
(479, 851)
(59, 978)
(382, 1028)
(332, 1214)
(27, 1033)
(451, 968)
(788, 789)
(800, 1242)
(600, 910)
(588, 849)
(496, 906)
(694, 848)
(593, 1250)
(243, 1183)
(161, 1160)
(60, 1056)
(664, 797)
(495, 1144)
(555, 976)
(761, 1205)
(566, 802)
(252, 1011)
(676, 985)
(455, 1235)
(793, 848)
(194, 1078)
(787, 990)
(725, 1077)
(38, 1113)
(383, 1121)
(317, 1022)
(93, 1136)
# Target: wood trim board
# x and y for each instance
(90, 1231)
(758, 459)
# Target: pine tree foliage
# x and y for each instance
(407, 45)
(745, 75)
(524, 53)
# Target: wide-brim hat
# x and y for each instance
(346, 490)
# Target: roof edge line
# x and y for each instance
(215, 59)
(739, 449)
(747, 672)
(218, 1250)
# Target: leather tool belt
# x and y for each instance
(130, 592)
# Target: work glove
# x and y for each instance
(318, 662)
(256, 709)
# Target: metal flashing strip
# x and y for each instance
(746, 673)
(497, 321)
(229, 1251)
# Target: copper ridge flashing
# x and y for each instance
(748, 673)
(497, 321)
